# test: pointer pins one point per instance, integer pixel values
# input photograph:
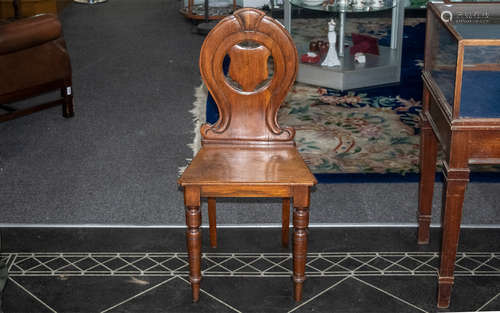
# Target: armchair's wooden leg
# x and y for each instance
(285, 222)
(193, 238)
(212, 221)
(67, 95)
(453, 197)
(300, 224)
(428, 155)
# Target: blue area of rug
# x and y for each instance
(410, 88)
(478, 177)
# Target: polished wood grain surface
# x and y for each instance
(285, 222)
(223, 165)
(246, 153)
(212, 221)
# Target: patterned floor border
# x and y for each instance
(247, 264)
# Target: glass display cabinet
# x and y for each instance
(381, 69)
(207, 10)
(461, 111)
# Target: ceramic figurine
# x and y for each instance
(313, 56)
(331, 57)
(313, 46)
(323, 48)
(320, 47)
(360, 58)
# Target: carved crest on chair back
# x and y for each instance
(247, 99)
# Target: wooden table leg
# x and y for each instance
(453, 194)
(285, 222)
(193, 237)
(212, 222)
(428, 155)
(300, 224)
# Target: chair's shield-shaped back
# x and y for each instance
(247, 98)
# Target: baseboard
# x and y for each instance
(270, 225)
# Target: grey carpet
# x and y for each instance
(134, 71)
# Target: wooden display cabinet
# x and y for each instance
(461, 111)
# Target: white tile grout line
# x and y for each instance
(31, 294)
(216, 263)
(240, 257)
(489, 301)
(389, 294)
(246, 274)
(426, 263)
(319, 294)
(139, 294)
(183, 253)
(212, 296)
(12, 260)
(484, 263)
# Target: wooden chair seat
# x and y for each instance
(246, 153)
(258, 166)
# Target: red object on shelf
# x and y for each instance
(309, 59)
(319, 47)
(323, 47)
(313, 46)
(364, 44)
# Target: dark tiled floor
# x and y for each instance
(144, 270)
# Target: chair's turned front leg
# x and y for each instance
(300, 224)
(193, 237)
(428, 155)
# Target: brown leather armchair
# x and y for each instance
(33, 60)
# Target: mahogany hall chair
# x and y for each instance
(246, 153)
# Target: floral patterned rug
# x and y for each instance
(353, 132)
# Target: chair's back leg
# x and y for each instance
(212, 221)
(285, 222)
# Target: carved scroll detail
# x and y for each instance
(249, 114)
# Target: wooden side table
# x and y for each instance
(461, 111)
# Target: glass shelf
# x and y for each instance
(388, 4)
